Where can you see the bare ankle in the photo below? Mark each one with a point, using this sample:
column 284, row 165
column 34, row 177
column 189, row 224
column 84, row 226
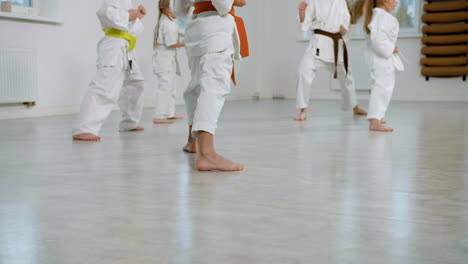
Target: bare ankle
column 374, row 121
column 207, row 153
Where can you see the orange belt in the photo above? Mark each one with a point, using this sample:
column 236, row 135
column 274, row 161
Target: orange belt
column 202, row 7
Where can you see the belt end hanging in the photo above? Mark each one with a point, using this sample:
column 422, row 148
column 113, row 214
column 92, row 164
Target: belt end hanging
column 233, row 76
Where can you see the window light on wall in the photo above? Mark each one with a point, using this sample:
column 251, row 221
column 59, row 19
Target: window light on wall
column 44, row 11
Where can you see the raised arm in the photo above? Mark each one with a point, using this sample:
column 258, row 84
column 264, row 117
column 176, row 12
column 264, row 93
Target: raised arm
column 306, row 15
column 169, row 35
column 113, row 15
column 139, row 13
column 302, row 10
column 380, row 41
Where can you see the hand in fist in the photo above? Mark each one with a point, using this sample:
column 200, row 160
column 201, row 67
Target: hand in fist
column 140, row 12
column 302, row 6
column 343, row 30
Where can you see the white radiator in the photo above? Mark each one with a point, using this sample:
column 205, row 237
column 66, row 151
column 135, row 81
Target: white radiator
column 18, row 76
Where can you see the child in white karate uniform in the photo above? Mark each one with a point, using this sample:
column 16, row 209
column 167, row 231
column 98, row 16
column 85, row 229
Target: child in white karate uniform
column 165, row 64
column 382, row 29
column 212, row 43
column 118, row 77
column 329, row 20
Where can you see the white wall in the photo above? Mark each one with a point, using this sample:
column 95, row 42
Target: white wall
column 67, row 55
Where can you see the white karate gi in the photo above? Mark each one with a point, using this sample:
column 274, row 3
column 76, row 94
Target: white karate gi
column 212, row 43
column 327, row 15
column 166, row 68
column 383, row 62
column 116, row 79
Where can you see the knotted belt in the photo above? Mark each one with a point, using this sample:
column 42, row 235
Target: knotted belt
column 116, row 33
column 201, row 7
column 336, row 37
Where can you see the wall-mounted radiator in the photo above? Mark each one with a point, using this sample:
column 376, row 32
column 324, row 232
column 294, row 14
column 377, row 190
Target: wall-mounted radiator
column 18, row 76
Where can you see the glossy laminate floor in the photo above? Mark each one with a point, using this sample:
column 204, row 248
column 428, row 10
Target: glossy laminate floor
column 323, row 191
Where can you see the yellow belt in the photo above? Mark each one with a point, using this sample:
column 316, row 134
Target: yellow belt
column 112, row 32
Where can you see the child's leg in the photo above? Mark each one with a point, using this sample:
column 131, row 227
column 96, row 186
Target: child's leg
column 132, row 99
column 215, row 85
column 163, row 109
column 305, row 78
column 302, row 115
column 348, row 91
column 192, row 143
column 103, row 93
column 191, row 101
column 377, row 125
column 172, row 100
column 131, row 105
column 208, row 159
column 382, row 83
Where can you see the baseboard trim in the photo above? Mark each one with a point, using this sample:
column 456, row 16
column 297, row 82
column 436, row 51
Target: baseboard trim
column 18, row 111
column 21, row 111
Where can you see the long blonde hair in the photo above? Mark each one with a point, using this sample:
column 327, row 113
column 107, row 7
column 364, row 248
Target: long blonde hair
column 356, row 10
column 162, row 5
column 368, row 9
column 362, row 8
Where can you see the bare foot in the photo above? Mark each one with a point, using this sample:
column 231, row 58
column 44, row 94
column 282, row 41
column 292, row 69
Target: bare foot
column 357, row 110
column 163, row 121
column 176, row 117
column 191, row 147
column 302, row 115
column 86, row 137
column 380, row 127
column 215, row 162
column 383, row 122
column 138, row 128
